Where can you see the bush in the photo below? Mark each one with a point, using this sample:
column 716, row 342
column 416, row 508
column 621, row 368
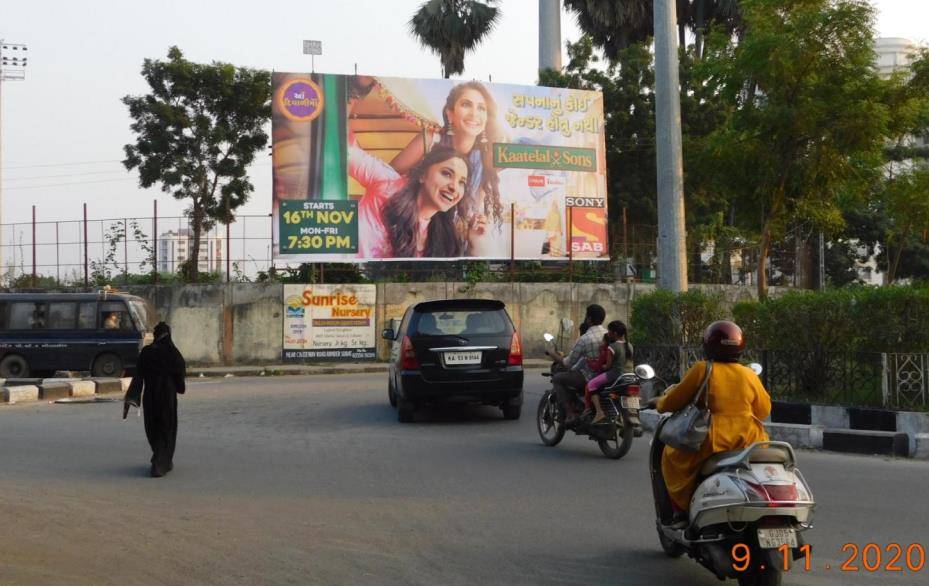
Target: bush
column 664, row 318
column 851, row 319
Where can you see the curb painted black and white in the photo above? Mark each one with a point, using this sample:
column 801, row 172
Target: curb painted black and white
column 812, row 436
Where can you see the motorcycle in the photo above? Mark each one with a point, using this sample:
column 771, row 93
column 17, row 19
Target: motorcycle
column 620, row 404
column 747, row 516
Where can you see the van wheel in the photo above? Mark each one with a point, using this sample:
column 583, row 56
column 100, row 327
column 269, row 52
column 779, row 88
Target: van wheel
column 108, row 365
column 14, row 366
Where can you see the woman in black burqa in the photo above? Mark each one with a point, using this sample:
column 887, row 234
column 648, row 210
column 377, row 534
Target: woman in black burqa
column 160, row 369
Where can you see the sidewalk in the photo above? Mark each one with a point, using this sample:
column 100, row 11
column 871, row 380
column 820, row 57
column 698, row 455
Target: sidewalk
column 306, row 369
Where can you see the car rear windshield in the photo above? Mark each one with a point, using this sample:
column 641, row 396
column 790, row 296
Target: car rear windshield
column 462, row 322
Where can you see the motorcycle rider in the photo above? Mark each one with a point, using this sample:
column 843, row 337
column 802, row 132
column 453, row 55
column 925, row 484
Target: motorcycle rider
column 578, row 370
column 737, row 401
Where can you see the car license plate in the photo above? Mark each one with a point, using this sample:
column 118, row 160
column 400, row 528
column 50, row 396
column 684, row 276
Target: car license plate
column 774, row 538
column 457, row 358
column 630, row 402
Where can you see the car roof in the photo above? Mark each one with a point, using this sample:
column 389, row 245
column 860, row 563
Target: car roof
column 459, row 305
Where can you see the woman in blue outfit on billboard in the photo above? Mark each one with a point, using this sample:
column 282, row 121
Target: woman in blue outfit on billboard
column 470, row 127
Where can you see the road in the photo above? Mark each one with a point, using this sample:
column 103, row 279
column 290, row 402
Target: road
column 296, row 480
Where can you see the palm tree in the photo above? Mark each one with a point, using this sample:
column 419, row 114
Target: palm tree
column 451, row 28
column 613, row 25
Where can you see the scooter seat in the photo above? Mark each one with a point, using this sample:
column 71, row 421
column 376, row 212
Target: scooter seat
column 732, row 458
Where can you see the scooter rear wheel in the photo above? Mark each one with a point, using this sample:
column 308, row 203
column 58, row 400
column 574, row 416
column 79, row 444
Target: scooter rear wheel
column 766, row 577
column 550, row 420
column 671, row 548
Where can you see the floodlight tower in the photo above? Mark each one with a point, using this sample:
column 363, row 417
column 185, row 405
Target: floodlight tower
column 13, row 58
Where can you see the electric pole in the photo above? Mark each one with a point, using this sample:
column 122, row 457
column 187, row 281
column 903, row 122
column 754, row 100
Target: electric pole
column 550, row 34
column 13, row 58
column 672, row 235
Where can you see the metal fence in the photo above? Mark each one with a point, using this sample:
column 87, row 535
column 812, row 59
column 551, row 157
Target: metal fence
column 82, row 252
column 890, row 380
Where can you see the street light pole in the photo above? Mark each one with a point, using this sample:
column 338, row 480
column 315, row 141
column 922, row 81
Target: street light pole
column 672, row 260
column 12, row 68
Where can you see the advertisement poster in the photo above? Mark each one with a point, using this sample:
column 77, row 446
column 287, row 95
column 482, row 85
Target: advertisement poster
column 380, row 168
column 329, row 323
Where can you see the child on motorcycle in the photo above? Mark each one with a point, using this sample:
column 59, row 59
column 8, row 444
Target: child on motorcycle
column 617, row 358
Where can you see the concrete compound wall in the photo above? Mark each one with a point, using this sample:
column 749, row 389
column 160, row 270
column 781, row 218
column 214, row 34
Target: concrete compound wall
column 240, row 323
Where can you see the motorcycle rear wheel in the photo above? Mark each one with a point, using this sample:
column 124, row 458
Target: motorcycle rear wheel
column 617, row 446
column 550, row 420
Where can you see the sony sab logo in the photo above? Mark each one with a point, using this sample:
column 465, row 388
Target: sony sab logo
column 301, row 100
column 583, row 202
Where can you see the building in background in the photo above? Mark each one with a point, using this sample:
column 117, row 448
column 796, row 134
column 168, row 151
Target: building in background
column 893, row 54
column 174, row 249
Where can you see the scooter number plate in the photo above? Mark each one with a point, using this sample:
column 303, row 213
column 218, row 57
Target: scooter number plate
column 630, row 402
column 775, row 538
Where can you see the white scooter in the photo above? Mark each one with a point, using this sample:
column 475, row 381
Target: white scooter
column 747, row 515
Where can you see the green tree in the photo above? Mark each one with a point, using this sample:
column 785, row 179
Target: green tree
column 451, row 28
column 807, row 114
column 196, row 132
column 628, row 97
column 906, row 197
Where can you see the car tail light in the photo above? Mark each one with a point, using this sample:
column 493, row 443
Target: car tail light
column 632, row 390
column 782, row 492
column 408, row 360
column 516, row 351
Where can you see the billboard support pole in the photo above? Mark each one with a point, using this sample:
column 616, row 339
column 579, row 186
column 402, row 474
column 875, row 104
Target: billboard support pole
column 33, row 247
column 570, row 248
column 512, row 240
column 228, row 252
column 155, row 242
column 86, row 276
column 625, row 246
column 126, row 250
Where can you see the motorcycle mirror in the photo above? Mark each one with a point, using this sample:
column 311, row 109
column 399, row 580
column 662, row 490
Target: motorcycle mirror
column 548, row 337
column 756, row 368
column 567, row 324
column 645, row 372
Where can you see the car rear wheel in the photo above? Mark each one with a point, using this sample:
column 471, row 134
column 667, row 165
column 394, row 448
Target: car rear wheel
column 14, row 366
column 107, row 365
column 512, row 412
column 405, row 410
column 391, row 394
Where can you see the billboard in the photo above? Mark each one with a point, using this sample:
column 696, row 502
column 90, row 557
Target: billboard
column 381, row 168
column 329, row 322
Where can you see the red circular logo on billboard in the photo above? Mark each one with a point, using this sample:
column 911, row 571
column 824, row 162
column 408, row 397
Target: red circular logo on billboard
column 301, row 100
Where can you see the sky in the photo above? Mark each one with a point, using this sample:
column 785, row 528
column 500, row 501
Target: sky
column 64, row 127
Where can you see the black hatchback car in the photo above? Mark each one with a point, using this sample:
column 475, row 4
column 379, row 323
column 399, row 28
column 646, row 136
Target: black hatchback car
column 455, row 350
